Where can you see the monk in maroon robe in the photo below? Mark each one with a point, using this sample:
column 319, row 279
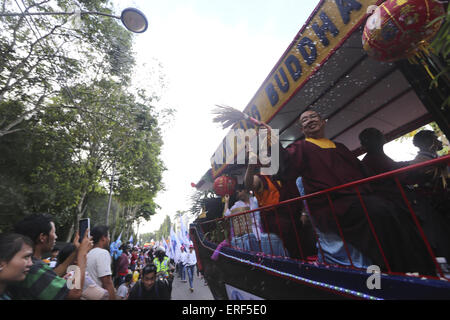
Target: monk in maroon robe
column 376, row 161
column 324, row 164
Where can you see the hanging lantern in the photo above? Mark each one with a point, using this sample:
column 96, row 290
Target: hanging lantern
column 224, row 185
column 400, row 29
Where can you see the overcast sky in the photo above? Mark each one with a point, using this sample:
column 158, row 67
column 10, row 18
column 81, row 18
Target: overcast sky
column 210, row 52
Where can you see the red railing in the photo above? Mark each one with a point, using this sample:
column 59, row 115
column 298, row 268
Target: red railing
column 294, row 218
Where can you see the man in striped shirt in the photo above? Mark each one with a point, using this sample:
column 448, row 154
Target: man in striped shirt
column 43, row 282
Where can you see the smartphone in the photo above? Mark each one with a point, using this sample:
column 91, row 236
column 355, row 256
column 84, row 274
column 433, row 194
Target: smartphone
column 83, row 226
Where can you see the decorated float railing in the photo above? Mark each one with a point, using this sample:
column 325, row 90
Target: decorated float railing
column 218, row 231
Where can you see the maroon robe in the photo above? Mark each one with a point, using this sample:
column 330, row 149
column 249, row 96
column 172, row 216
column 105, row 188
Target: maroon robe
column 324, row 168
column 378, row 163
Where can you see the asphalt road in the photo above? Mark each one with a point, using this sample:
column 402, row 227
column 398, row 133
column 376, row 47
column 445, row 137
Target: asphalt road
column 180, row 290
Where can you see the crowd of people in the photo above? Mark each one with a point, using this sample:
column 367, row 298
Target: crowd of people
column 316, row 163
column 84, row 269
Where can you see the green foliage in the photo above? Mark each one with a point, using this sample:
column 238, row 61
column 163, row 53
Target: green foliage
column 38, row 174
column 162, row 232
column 438, row 132
column 441, row 46
column 198, row 201
column 60, row 144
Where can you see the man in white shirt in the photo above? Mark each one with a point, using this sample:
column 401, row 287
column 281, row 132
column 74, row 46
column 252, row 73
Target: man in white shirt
column 124, row 288
column 191, row 261
column 182, row 264
column 99, row 260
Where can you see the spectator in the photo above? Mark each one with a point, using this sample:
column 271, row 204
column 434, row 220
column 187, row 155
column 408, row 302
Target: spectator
column 150, row 287
column 16, row 251
column 90, row 291
column 141, row 259
column 134, row 259
column 43, row 282
column 163, row 267
column 136, row 275
column 150, row 255
column 191, row 261
column 176, row 262
column 122, row 266
column 54, row 258
column 182, row 264
column 99, row 260
column 122, row 292
column 324, row 164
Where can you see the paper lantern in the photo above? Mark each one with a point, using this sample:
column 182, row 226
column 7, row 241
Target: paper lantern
column 399, row 29
column 224, row 185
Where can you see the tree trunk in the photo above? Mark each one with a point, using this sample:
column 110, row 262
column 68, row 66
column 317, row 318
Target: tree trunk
column 77, row 216
column 116, row 215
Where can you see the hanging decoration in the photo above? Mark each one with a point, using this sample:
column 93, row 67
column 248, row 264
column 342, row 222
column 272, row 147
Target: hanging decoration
column 224, row 185
column 402, row 29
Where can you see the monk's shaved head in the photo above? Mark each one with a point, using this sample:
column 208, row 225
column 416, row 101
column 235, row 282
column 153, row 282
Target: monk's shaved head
column 312, row 124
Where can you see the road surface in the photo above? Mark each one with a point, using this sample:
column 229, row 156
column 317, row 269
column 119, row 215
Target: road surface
column 180, row 290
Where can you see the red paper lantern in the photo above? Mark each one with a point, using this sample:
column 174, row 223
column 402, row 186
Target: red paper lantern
column 399, row 29
column 224, row 185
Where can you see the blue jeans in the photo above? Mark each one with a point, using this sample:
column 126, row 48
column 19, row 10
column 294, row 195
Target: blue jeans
column 190, row 272
column 182, row 270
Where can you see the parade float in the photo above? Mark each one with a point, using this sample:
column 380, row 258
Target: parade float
column 360, row 64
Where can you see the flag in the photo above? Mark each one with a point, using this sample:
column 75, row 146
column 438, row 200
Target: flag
column 131, row 239
column 175, row 242
column 120, row 236
column 180, row 238
column 163, row 244
column 182, row 231
column 186, row 232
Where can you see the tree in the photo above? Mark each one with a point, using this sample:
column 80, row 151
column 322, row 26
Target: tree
column 36, row 168
column 62, row 141
column 198, row 201
column 441, row 46
column 162, row 232
column 43, row 53
column 114, row 127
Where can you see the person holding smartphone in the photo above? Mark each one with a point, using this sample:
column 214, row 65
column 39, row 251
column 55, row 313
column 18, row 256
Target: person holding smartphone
column 43, row 282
